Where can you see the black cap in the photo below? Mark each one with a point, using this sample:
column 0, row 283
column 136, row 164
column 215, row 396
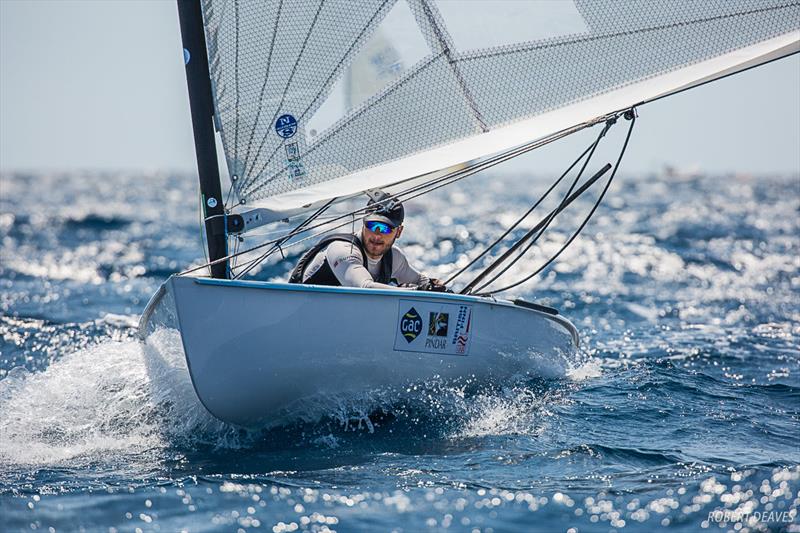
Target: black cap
column 385, row 209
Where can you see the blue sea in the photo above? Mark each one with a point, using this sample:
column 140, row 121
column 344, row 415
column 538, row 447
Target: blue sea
column 681, row 411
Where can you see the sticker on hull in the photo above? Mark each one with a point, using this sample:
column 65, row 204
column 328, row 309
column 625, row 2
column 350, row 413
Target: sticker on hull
column 433, row 327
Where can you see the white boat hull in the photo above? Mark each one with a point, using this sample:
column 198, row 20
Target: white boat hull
column 256, row 350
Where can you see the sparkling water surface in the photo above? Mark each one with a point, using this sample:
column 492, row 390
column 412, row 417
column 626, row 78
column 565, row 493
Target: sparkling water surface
column 682, row 410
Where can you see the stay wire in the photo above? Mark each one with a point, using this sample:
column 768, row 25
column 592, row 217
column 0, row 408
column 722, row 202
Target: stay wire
column 427, row 186
column 551, row 216
column 518, row 222
column 585, row 220
column 279, row 242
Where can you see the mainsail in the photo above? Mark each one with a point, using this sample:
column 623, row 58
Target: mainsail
column 316, row 99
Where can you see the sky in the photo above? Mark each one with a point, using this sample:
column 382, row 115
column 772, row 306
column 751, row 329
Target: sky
column 91, row 85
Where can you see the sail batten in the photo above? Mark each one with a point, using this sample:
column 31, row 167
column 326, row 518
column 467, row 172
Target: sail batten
column 321, row 98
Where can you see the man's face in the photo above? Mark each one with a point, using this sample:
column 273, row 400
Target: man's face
column 377, row 244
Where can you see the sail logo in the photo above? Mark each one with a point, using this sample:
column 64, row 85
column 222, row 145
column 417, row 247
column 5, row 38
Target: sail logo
column 286, row 126
column 411, row 325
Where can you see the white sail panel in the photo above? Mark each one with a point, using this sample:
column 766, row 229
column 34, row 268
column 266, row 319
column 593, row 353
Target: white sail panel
column 274, row 65
column 543, row 126
column 394, row 48
column 487, row 24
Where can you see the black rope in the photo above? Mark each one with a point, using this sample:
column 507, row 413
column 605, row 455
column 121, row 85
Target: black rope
column 539, row 227
column 539, row 230
column 519, row 220
column 630, row 115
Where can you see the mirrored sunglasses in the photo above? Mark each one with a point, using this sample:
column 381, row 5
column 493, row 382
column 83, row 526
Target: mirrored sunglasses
column 379, row 227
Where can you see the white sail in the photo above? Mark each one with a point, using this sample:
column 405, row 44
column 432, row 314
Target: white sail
column 464, row 79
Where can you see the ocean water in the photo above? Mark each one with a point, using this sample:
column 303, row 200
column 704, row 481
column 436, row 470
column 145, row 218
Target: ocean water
column 681, row 411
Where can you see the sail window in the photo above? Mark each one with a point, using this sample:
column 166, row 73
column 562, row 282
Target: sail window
column 481, row 24
column 395, row 46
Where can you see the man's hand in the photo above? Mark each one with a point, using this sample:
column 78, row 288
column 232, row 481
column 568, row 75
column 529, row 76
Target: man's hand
column 433, row 285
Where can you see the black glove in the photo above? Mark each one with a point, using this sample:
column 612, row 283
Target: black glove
column 433, row 285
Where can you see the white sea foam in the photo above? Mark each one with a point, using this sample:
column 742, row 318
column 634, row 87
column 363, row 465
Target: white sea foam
column 517, row 411
column 90, row 402
column 116, row 398
column 591, row 368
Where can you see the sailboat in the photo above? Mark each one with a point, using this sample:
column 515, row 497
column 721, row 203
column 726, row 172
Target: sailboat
column 319, row 102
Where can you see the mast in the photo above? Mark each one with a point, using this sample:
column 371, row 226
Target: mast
column 202, row 108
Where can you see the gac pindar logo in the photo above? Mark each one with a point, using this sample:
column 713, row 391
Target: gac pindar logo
column 411, row 325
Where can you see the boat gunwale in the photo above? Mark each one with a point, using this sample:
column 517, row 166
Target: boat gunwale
column 298, row 287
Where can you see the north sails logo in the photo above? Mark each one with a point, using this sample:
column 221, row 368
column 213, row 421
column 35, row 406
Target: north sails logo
column 410, row 325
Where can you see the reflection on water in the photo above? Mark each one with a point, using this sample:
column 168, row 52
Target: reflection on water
column 682, row 410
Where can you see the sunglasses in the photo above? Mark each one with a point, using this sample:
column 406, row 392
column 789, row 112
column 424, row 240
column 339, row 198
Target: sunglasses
column 379, row 227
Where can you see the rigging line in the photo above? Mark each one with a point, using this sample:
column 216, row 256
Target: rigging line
column 228, row 196
column 480, row 166
column 332, row 75
column 538, row 231
column 549, row 219
column 279, row 242
column 291, row 74
column 538, row 228
column 263, row 86
column 585, row 221
column 519, row 220
column 299, row 241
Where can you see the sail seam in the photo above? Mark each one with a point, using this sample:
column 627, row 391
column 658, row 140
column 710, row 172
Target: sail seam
column 291, row 75
column 236, row 82
column 261, row 95
column 328, row 80
column 355, row 115
column 437, row 31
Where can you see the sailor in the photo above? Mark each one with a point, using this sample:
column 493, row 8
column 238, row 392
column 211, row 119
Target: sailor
column 367, row 259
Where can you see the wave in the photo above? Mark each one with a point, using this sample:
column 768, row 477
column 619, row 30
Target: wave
column 130, row 399
column 97, row 223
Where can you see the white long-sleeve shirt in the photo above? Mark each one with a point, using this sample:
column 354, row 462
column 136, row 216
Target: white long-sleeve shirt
column 347, row 263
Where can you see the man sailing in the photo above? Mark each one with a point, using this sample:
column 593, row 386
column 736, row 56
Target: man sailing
column 367, row 259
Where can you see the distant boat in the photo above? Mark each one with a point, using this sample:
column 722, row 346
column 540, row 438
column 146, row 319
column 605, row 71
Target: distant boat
column 318, row 102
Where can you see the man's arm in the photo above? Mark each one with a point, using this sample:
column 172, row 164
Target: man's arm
column 403, row 272
column 348, row 266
